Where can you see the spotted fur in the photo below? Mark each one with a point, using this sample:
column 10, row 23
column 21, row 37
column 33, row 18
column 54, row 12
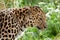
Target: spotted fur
column 13, row 21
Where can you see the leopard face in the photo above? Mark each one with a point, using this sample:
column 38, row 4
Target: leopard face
column 13, row 21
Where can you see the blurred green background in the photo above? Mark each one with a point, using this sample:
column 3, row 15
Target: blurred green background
column 52, row 10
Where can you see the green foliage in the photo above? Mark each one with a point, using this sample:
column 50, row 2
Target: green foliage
column 20, row 3
column 32, row 33
column 8, row 3
column 52, row 10
column 30, row 2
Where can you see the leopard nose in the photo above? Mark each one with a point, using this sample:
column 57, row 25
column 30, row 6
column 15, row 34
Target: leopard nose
column 45, row 25
column 38, row 27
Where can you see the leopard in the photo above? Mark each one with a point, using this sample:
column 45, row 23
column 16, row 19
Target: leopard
column 16, row 20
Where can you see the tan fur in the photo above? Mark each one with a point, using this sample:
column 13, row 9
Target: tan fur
column 12, row 21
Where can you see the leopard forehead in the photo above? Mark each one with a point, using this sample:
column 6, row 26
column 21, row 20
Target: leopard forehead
column 14, row 21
